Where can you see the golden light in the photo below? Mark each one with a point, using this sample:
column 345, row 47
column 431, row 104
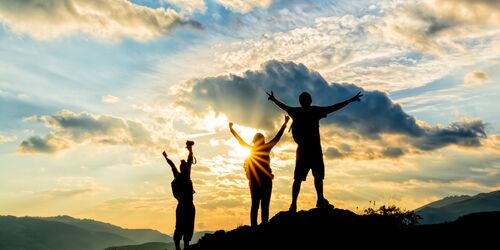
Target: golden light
column 212, row 121
column 237, row 150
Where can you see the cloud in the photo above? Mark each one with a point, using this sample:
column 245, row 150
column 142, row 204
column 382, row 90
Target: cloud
column 110, row 99
column 7, row 138
column 103, row 19
column 466, row 11
column 190, row 6
column 244, row 6
column 243, row 100
column 45, row 145
column 393, row 152
column 69, row 128
column 333, row 153
column 439, row 27
column 476, row 77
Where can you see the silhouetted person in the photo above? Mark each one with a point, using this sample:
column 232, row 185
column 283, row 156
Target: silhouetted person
column 258, row 171
column 182, row 188
column 305, row 132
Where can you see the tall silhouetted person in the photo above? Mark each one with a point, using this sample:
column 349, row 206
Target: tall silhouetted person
column 258, row 171
column 305, row 132
column 182, row 188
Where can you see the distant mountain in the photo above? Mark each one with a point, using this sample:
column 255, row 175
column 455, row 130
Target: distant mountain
column 18, row 233
column 159, row 245
column 451, row 208
column 138, row 236
column 145, row 246
column 339, row 229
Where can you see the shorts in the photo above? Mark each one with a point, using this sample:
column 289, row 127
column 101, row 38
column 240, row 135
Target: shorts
column 309, row 158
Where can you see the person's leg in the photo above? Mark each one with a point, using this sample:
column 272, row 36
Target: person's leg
column 319, row 174
column 177, row 239
column 299, row 175
column 190, row 215
column 295, row 194
column 266, row 200
column 178, row 227
column 318, row 184
column 254, row 209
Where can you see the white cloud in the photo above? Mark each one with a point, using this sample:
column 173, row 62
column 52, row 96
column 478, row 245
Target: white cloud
column 7, row 138
column 190, row 6
column 244, row 6
column 103, row 19
column 110, row 99
column 476, row 77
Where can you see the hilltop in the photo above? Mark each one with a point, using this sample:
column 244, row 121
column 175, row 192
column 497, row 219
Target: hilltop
column 328, row 228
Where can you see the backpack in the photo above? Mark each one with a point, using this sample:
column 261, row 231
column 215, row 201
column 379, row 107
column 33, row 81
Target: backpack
column 176, row 188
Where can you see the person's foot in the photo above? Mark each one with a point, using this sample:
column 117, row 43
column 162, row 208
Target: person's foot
column 293, row 208
column 324, row 204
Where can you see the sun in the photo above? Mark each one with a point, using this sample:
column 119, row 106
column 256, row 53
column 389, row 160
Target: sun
column 237, row 150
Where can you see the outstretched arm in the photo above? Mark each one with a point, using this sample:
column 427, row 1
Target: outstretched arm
column 190, row 156
column 277, row 137
column 340, row 105
column 283, row 106
column 237, row 136
column 172, row 165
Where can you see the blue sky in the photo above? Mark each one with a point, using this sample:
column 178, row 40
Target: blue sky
column 92, row 93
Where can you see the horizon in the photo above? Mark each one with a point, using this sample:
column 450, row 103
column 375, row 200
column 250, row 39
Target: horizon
column 92, row 92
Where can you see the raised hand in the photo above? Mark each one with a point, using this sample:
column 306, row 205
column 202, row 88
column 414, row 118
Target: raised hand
column 165, row 155
column 230, row 125
column 357, row 97
column 270, row 96
column 287, row 118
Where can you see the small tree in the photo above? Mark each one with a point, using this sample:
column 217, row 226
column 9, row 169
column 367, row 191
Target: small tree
column 395, row 215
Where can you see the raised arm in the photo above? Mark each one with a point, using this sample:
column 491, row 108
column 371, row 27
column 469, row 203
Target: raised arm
column 277, row 137
column 283, row 106
column 340, row 105
column 172, row 165
column 237, row 136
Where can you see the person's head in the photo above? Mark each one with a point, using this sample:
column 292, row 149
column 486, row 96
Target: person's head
column 305, row 99
column 258, row 139
column 184, row 166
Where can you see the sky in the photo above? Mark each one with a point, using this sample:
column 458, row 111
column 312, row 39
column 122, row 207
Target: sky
column 92, row 91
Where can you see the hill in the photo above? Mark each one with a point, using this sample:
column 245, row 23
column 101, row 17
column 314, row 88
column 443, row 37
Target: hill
column 451, row 208
column 145, row 246
column 138, row 236
column 159, row 245
column 33, row 233
column 330, row 228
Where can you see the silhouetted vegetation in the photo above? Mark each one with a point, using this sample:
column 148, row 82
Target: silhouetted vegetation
column 394, row 215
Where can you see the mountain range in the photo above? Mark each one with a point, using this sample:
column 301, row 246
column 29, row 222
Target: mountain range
column 452, row 207
column 65, row 232
column 460, row 217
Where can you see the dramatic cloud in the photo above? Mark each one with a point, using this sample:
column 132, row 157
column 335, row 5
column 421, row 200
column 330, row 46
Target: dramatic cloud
column 476, row 77
column 70, row 128
column 243, row 100
column 406, row 45
column 110, row 99
column 104, row 19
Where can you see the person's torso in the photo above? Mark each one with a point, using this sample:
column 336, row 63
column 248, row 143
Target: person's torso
column 184, row 188
column 258, row 164
column 305, row 126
